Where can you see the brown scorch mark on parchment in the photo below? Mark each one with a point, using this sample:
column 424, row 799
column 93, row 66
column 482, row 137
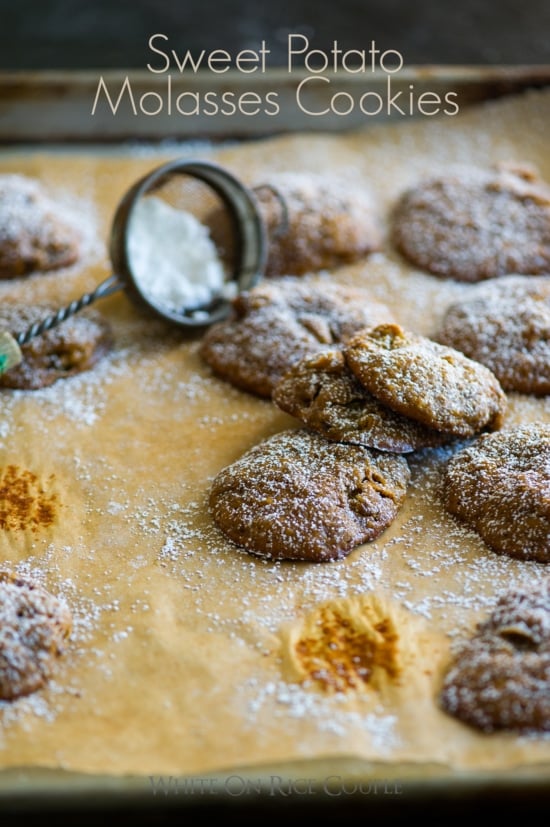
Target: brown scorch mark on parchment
column 339, row 656
column 24, row 503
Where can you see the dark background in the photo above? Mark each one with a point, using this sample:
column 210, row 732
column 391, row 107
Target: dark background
column 79, row 34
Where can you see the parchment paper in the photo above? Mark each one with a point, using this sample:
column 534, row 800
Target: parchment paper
column 179, row 661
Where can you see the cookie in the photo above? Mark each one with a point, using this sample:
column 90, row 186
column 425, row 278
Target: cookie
column 323, row 393
column 475, row 224
column 500, row 487
column 500, row 680
column 34, row 234
column 33, row 628
column 72, row 347
column 278, row 322
column 297, row 496
column 314, row 222
column 422, row 380
column 505, row 326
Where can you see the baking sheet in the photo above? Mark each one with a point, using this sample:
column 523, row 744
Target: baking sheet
column 177, row 664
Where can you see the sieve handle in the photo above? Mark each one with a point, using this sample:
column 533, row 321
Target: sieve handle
column 11, row 343
column 110, row 285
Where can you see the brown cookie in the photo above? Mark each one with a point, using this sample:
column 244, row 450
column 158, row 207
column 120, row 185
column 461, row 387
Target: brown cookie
column 76, row 345
column 33, row 628
column 298, row 496
column 314, row 222
column 505, row 326
column 34, row 234
column 278, row 322
column 476, row 224
column 500, row 487
column 425, row 381
column 323, row 393
column 500, row 680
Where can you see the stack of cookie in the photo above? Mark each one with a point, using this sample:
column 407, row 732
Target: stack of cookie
column 366, row 392
column 394, row 391
column 297, row 495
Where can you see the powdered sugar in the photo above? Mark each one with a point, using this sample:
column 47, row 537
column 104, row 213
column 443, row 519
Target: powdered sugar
column 86, row 616
column 39, row 230
column 147, row 574
column 505, row 325
column 172, row 257
column 499, row 679
column 473, row 224
column 288, row 702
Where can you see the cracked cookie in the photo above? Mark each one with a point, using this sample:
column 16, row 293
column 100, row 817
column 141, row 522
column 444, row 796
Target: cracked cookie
column 33, row 628
column 74, row 346
column 500, row 680
column 323, row 393
column 476, row 224
column 505, row 326
column 425, row 381
column 278, row 322
column 500, row 487
column 34, row 235
column 297, row 496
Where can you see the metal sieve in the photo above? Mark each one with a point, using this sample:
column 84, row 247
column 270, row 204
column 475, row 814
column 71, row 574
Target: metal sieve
column 214, row 198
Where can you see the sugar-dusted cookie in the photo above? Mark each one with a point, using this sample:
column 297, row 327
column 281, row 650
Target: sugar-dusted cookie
column 500, row 679
column 500, row 487
column 33, row 628
column 298, row 496
column 323, row 393
column 420, row 379
column 505, row 324
column 76, row 345
column 315, row 221
column 278, row 322
column 473, row 224
column 34, row 233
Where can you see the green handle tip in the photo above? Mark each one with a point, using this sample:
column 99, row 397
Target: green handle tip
column 10, row 352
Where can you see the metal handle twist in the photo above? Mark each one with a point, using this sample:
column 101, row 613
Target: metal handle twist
column 110, row 285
